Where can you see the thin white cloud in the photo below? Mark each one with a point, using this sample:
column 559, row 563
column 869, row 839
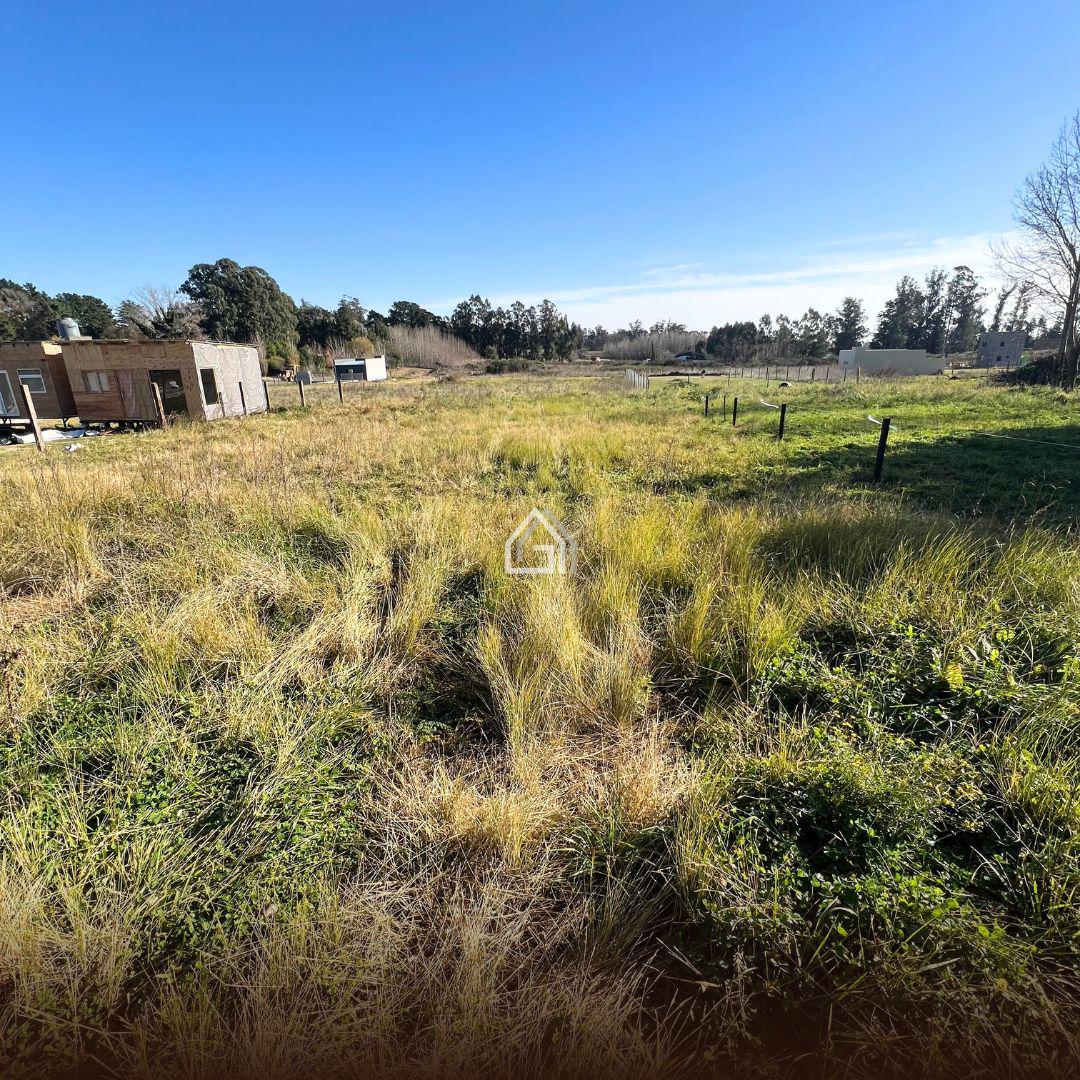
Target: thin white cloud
column 701, row 296
column 663, row 271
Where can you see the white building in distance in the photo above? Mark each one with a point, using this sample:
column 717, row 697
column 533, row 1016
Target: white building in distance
column 891, row 361
column 357, row 369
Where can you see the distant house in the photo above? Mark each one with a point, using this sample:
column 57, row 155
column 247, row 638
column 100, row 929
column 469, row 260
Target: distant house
column 1005, row 347
column 39, row 366
column 113, row 381
column 890, row 361
column 367, row 369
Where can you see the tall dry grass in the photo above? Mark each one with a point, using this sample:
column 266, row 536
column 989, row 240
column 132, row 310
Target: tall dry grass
column 297, row 780
column 657, row 348
column 430, row 347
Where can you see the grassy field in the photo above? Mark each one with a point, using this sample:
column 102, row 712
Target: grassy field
column 297, row 781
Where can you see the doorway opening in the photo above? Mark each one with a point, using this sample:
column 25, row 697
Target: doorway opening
column 171, row 385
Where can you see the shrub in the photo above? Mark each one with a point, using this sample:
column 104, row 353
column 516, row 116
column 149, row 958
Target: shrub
column 430, row 347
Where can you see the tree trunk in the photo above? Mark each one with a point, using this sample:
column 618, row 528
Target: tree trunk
column 1065, row 364
column 1071, row 366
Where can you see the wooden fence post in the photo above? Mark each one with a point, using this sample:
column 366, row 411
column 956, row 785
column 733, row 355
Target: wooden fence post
column 706, row 406
column 243, row 400
column 340, row 392
column 31, row 411
column 159, row 405
column 883, row 441
column 734, row 412
column 303, row 396
column 783, row 420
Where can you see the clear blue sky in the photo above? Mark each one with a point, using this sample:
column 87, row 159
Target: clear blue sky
column 698, row 160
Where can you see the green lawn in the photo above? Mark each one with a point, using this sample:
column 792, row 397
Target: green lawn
column 938, row 454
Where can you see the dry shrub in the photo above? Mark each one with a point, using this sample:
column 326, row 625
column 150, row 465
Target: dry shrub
column 658, row 347
column 435, row 976
column 430, row 347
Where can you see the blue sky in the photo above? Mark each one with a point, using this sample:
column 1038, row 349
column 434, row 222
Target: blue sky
column 700, row 161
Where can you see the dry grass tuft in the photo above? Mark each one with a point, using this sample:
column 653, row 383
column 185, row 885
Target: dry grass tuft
column 296, row 780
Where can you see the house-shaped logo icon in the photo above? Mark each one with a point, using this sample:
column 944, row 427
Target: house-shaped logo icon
column 540, row 545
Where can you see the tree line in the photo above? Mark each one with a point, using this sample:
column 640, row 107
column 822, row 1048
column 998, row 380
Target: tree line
column 943, row 314
column 224, row 301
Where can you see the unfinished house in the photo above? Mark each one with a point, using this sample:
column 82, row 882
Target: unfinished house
column 39, row 365
column 113, row 381
column 1001, row 347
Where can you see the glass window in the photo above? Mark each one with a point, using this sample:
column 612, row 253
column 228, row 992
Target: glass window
column 32, row 379
column 97, row 382
column 209, row 386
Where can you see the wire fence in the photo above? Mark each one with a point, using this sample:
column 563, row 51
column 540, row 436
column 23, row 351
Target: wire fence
column 885, row 425
column 771, row 373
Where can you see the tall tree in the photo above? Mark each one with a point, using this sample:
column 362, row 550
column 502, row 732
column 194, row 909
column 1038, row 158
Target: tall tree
column 935, row 314
column 351, row 320
column 965, row 311
column 784, row 337
column 549, row 326
column 1047, row 253
column 241, row 303
column 900, row 322
column 596, row 338
column 408, row 313
column 17, row 302
column 94, row 316
column 316, row 327
column 765, row 338
column 27, row 312
column 1020, row 316
column 850, row 324
column 999, row 305
column 733, row 342
column 812, row 335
